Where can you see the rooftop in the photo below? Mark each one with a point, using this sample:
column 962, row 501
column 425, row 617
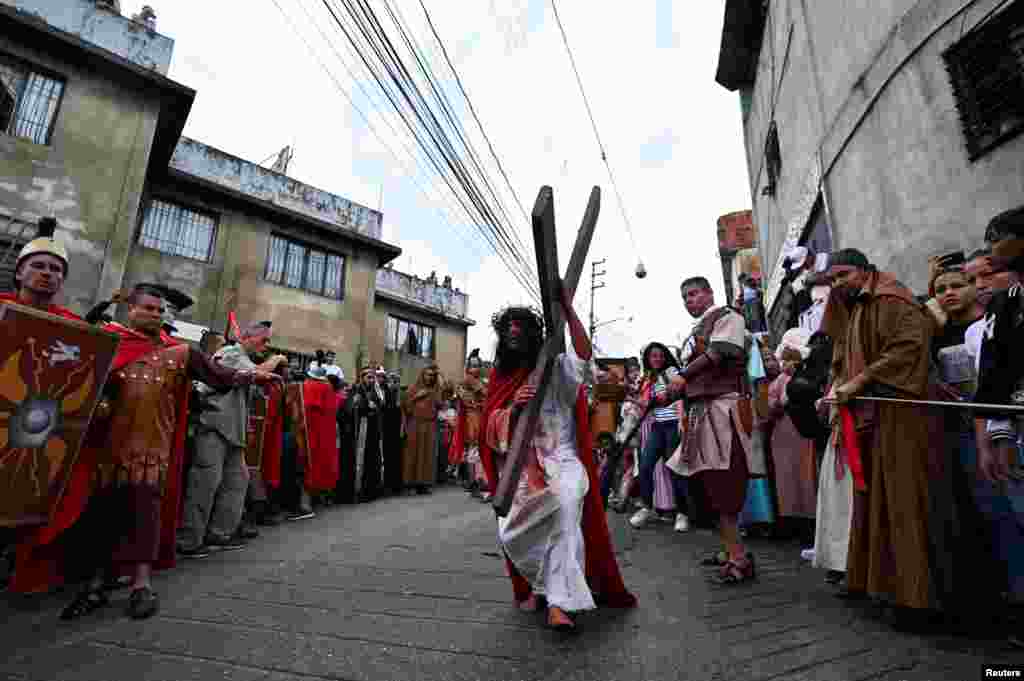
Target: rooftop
column 104, row 27
column 425, row 295
column 253, row 181
column 741, row 43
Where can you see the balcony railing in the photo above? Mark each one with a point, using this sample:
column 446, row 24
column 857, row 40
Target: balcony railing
column 423, row 292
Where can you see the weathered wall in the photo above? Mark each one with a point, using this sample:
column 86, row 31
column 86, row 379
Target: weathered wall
column 885, row 125
column 213, row 165
column 233, row 280
column 449, row 343
column 423, row 292
column 90, row 176
column 111, row 31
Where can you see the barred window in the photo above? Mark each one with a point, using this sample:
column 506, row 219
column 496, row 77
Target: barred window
column 28, row 101
column 297, row 265
column 985, row 68
column 178, row 230
column 409, row 337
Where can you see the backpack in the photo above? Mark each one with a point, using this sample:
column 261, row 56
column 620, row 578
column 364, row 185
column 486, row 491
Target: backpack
column 808, row 386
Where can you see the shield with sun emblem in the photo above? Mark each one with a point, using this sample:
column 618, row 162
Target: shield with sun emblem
column 296, row 407
column 51, row 373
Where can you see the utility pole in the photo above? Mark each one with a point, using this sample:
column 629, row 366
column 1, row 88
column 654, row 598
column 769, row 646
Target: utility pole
column 594, row 274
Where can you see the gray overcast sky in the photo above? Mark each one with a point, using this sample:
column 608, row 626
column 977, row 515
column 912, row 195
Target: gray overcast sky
column 672, row 135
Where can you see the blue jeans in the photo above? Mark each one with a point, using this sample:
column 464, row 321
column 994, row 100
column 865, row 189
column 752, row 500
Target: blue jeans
column 1005, row 510
column 661, row 442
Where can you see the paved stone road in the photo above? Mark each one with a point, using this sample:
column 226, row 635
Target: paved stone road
column 411, row 588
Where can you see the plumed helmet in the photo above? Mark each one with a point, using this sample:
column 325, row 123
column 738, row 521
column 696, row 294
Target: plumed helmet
column 45, row 243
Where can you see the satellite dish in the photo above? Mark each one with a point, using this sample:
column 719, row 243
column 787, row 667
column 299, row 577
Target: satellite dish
column 641, row 272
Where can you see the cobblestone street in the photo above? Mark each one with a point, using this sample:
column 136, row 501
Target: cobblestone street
column 412, row 588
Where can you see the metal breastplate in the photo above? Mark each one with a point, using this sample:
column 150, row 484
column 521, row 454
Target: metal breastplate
column 144, row 418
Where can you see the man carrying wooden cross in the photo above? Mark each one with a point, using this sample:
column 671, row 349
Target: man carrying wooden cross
column 555, row 532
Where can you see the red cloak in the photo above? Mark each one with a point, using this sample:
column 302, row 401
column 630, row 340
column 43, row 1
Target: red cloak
column 273, row 432
column 457, row 450
column 52, row 309
column 602, row 569
column 38, row 563
column 322, row 420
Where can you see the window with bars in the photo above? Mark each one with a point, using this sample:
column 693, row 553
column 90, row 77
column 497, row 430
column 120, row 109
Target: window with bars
column 177, row 230
column 28, row 101
column 9, row 249
column 985, row 68
column 409, row 337
column 296, row 265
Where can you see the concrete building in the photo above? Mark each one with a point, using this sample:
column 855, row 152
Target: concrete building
column 892, row 126
column 736, row 240
column 86, row 111
column 418, row 321
column 90, row 132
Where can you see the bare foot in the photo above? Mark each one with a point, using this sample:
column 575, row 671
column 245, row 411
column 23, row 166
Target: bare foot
column 559, row 621
column 531, row 604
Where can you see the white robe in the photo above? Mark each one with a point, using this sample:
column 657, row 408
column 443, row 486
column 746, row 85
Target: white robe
column 834, row 514
column 543, row 534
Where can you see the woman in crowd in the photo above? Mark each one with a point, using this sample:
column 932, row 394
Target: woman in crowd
column 661, row 437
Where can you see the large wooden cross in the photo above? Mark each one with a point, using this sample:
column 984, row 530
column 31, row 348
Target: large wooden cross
column 546, row 249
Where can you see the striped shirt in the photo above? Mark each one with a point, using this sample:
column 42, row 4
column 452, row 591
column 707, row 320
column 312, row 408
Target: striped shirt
column 668, row 412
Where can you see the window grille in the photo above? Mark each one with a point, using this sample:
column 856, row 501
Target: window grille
column 9, row 249
column 177, row 230
column 28, row 102
column 985, row 69
column 409, row 337
column 296, row 265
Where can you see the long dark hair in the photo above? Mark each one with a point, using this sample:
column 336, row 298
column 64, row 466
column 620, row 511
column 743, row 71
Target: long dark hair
column 670, row 359
column 505, row 359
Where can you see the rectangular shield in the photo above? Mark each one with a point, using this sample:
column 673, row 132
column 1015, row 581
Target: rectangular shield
column 255, row 429
column 52, row 372
column 296, row 407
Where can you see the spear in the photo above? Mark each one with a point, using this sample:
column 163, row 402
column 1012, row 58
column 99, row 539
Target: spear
column 977, row 406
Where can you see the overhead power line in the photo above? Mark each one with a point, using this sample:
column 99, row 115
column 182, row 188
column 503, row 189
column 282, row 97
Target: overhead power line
column 597, row 135
column 461, row 171
column 373, row 129
column 472, row 110
column 381, row 58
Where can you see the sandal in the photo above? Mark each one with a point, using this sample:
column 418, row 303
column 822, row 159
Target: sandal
column 736, row 572
column 718, row 559
column 85, row 602
column 560, row 621
column 143, row 603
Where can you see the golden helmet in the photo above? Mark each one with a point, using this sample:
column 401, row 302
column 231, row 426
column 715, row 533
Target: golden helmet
column 45, row 243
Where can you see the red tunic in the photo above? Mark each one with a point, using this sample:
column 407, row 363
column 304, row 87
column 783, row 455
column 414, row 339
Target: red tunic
column 602, row 569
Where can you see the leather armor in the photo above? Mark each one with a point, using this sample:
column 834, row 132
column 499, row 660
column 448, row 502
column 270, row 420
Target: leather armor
column 728, row 377
column 144, row 415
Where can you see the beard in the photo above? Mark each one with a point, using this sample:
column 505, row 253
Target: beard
column 512, row 358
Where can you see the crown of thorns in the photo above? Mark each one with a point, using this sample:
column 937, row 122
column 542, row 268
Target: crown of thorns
column 501, row 319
